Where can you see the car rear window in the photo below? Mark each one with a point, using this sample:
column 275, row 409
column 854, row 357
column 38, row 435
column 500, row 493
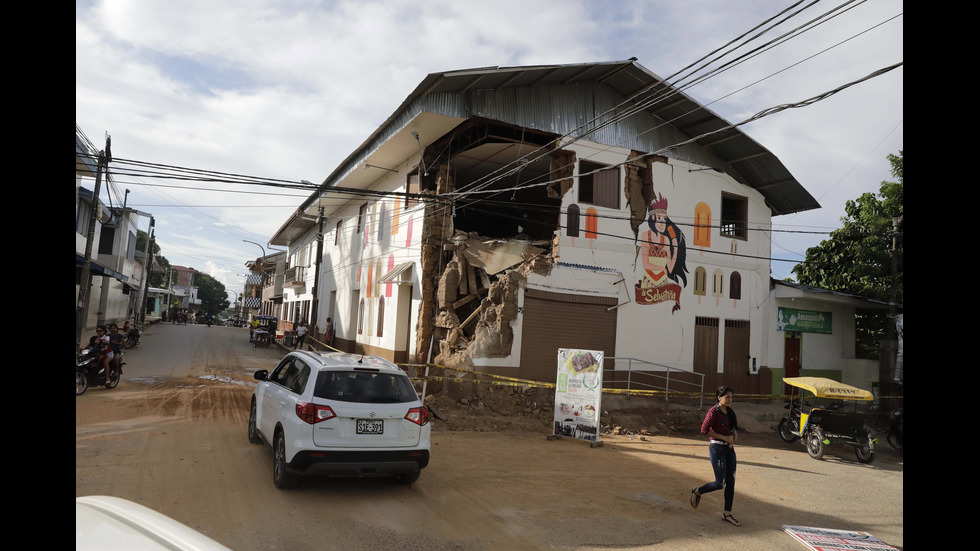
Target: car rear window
column 366, row 387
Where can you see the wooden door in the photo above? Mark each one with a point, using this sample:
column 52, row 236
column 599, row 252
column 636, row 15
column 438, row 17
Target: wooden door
column 706, row 350
column 791, row 357
column 737, row 357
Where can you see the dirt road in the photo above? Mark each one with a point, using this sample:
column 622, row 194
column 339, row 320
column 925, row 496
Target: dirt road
column 178, row 445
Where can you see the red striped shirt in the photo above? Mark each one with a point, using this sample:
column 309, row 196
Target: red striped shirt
column 719, row 422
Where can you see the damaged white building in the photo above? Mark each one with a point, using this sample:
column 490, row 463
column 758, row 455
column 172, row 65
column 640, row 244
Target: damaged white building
column 500, row 214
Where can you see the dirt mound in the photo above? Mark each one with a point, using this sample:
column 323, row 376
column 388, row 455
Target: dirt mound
column 495, row 408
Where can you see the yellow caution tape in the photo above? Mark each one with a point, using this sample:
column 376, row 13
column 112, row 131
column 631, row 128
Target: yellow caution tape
column 503, row 380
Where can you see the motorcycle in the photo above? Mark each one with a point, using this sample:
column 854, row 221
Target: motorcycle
column 819, row 425
column 133, row 338
column 89, row 373
column 896, row 431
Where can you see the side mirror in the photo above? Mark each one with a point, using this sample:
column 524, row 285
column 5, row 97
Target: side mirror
column 261, row 374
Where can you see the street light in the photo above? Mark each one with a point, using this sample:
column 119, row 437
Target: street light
column 254, row 243
column 237, row 295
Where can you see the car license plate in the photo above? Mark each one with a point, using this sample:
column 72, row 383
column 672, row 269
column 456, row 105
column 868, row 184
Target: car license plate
column 370, row 426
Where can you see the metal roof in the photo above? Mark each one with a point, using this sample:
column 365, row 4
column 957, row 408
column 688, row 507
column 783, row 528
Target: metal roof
column 577, row 100
column 807, row 291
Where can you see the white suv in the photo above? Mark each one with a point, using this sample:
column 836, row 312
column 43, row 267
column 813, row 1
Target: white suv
column 339, row 414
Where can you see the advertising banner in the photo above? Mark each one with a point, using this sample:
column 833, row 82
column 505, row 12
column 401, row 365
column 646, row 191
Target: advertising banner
column 578, row 393
column 808, row 321
column 825, row 539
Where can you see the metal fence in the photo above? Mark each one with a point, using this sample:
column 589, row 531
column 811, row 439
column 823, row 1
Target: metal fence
column 644, row 375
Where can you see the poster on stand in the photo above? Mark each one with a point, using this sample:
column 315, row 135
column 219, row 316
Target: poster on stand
column 825, row 539
column 578, row 393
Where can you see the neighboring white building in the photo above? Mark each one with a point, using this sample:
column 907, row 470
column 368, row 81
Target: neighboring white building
column 117, row 275
column 502, row 213
column 814, row 335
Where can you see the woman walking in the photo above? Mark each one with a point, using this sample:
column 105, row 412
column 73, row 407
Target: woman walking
column 720, row 425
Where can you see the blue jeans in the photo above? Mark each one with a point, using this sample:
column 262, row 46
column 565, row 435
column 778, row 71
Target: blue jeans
column 723, row 462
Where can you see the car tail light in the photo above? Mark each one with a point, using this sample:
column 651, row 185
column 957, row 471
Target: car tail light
column 314, row 413
column 419, row 416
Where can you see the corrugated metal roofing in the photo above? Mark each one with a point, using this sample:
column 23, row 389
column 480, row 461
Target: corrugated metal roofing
column 575, row 100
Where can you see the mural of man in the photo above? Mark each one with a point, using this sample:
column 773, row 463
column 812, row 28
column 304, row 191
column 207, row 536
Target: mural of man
column 663, row 250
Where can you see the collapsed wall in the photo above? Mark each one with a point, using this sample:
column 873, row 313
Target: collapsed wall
column 471, row 283
column 478, row 296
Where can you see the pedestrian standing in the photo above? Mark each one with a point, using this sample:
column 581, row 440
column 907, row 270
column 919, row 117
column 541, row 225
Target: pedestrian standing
column 329, row 332
column 300, row 335
column 721, row 426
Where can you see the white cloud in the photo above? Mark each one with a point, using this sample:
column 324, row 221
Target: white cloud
column 287, row 90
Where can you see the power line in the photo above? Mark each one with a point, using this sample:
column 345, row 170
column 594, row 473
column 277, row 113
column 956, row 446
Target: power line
column 151, row 170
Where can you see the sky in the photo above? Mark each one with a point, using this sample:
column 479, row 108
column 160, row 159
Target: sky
column 286, row 89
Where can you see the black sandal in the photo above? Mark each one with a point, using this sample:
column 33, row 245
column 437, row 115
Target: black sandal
column 729, row 518
column 695, row 498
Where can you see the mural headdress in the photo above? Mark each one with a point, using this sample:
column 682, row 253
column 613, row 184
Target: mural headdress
column 658, row 204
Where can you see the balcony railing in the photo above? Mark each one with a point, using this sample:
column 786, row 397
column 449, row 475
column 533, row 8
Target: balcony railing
column 295, row 277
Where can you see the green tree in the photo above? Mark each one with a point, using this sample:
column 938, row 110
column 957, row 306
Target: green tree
column 157, row 279
column 211, row 293
column 858, row 257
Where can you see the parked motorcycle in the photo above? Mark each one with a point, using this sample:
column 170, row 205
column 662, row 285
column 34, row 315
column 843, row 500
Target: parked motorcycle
column 89, row 373
column 896, row 431
column 827, row 420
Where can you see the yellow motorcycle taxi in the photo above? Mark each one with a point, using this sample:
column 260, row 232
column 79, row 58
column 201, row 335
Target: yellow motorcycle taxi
column 825, row 412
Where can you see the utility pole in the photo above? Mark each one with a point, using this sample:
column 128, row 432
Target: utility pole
column 147, row 268
column 85, row 285
column 316, row 273
column 897, row 372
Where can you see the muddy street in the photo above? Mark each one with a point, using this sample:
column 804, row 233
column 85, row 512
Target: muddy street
column 172, row 436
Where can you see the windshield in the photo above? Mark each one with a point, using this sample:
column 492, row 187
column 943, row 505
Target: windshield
column 360, row 386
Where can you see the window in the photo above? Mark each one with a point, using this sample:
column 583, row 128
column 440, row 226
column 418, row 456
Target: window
column 106, row 239
column 296, row 378
column 717, row 284
column 700, row 281
column 571, row 221
column 412, row 189
column 336, row 235
column 734, row 216
column 598, row 186
column 735, row 286
column 363, row 387
column 282, row 371
column 301, row 257
column 131, row 246
column 381, row 316
column 360, row 217
column 83, row 217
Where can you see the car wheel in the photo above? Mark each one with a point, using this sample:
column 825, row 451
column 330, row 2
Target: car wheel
column 280, row 474
column 253, row 432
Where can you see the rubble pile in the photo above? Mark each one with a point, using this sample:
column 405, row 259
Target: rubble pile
column 524, row 408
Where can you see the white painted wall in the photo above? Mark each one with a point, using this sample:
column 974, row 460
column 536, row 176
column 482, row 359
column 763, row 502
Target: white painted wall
column 652, row 332
column 353, row 265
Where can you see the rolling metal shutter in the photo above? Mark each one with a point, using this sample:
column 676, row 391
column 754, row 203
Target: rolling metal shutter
column 559, row 320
